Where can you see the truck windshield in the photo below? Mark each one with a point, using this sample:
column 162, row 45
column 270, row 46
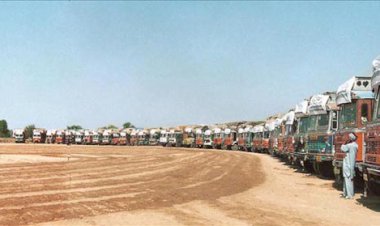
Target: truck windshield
column 348, row 116
column 303, row 124
column 312, row 123
column 323, row 122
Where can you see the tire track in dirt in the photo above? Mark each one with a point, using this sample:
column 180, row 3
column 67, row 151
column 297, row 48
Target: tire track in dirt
column 161, row 181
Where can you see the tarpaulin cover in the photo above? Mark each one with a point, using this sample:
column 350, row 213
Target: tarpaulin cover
column 270, row 126
column 241, row 130
column 301, row 108
column 318, row 104
column 217, row 130
column 344, row 91
column 198, row 131
column 188, row 130
column 258, row 129
column 208, row 132
column 290, row 118
column 376, row 63
column 227, row 131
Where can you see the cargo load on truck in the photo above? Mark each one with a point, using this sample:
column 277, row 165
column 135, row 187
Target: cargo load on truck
column 39, row 135
column 355, row 100
column 19, row 135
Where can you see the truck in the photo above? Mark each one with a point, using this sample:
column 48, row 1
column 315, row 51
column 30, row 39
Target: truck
column 276, row 136
column 79, row 137
column 124, row 137
column 229, row 139
column 355, row 100
column 371, row 165
column 199, row 138
column 323, row 122
column 115, row 137
column 88, row 137
column 143, row 138
column 154, row 137
column 60, row 137
column 19, row 135
column 175, row 138
column 288, row 140
column 51, row 136
column 245, row 137
column 188, row 138
column 97, row 137
column 39, row 135
column 134, row 137
column 218, row 139
column 208, row 139
column 69, row 136
column 107, row 137
column 164, row 138
column 258, row 131
column 300, row 136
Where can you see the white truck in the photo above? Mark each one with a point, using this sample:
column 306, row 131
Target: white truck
column 208, row 139
column 19, row 135
column 107, row 137
column 51, row 136
column 164, row 138
column 39, row 136
column 79, row 135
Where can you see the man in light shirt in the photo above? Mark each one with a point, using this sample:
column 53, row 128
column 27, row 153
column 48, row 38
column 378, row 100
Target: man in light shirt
column 350, row 148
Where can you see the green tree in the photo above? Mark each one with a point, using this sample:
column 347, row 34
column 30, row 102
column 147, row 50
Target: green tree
column 109, row 127
column 29, row 131
column 74, row 127
column 128, row 125
column 4, row 131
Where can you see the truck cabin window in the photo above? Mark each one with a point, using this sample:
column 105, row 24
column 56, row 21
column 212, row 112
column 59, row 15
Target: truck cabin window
column 312, row 123
column 323, row 122
column 348, row 116
column 364, row 114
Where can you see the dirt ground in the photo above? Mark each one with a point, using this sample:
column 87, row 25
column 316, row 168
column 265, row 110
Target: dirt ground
column 107, row 185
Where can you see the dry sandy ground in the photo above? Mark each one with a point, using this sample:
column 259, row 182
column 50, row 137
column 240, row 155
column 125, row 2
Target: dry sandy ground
column 83, row 185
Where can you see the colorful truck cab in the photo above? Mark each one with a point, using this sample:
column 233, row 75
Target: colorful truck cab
column 355, row 99
column 199, row 138
column 97, row 137
column 142, row 138
column 88, row 135
column 107, row 137
column 115, row 137
column 208, row 139
column 124, row 138
column 39, row 136
column 154, row 138
column 218, row 138
column 164, row 138
column 276, row 138
column 50, row 136
column 300, row 136
column 175, row 138
column 288, row 139
column 371, row 166
column 257, row 137
column 188, row 138
column 60, row 137
column 245, row 138
column 229, row 139
column 323, row 122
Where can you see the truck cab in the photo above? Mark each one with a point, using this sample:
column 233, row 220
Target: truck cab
column 258, row 132
column 115, row 138
column 175, row 138
column 79, row 135
column 245, row 137
column 134, row 137
column 97, row 137
column 60, row 137
column 164, row 138
column 218, row 139
column 143, row 138
column 51, row 136
column 154, row 137
column 19, row 135
column 199, row 138
column 208, row 139
column 107, row 137
column 323, row 122
column 88, row 135
column 290, row 129
column 39, row 136
column 123, row 138
column 300, row 136
column 229, row 139
column 189, row 138
column 355, row 100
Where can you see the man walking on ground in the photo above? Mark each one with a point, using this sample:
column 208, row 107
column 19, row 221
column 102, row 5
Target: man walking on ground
column 350, row 148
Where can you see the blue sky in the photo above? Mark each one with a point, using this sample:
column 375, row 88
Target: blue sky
column 172, row 63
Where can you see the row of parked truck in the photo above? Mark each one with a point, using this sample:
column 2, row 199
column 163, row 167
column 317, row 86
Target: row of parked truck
column 309, row 135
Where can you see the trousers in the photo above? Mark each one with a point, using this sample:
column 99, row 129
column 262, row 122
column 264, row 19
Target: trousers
column 348, row 187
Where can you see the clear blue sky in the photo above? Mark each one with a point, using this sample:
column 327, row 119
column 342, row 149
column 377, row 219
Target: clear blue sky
column 170, row 63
